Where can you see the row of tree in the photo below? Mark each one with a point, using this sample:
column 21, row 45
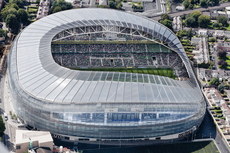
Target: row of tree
column 14, row 15
column 115, row 4
column 215, row 82
column 60, row 5
column 197, row 19
column 185, row 34
column 190, row 4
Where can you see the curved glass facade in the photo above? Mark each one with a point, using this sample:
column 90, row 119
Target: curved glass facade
column 109, row 105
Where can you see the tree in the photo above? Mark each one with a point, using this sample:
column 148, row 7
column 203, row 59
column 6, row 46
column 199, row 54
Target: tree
column 214, row 2
column 214, row 82
column 223, row 20
column 204, row 21
column 9, row 9
column 196, row 14
column 2, row 33
column 190, row 33
column 12, row 23
column 186, row 3
column 2, row 127
column 112, row 4
column 217, row 25
column 57, row 9
column 222, row 54
column 222, row 63
column 184, row 33
column 204, row 3
column 116, row 4
column 212, row 39
column 166, row 16
column 177, row 1
column 190, row 6
column 195, row 1
column 167, row 23
column 166, row 20
column 22, row 16
column 221, row 88
column 119, row 5
column 19, row 3
column 190, row 22
column 62, row 4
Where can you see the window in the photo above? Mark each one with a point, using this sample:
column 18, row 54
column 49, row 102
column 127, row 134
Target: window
column 18, row 147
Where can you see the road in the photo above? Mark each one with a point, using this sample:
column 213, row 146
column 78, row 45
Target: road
column 221, row 143
column 6, row 136
column 215, row 56
column 223, row 5
column 160, row 9
column 6, row 105
column 217, row 136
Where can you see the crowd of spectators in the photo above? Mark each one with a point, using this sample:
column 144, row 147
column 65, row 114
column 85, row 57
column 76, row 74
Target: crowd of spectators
column 117, row 55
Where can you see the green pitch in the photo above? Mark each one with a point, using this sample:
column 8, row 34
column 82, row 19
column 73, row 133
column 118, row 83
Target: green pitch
column 154, row 71
column 191, row 147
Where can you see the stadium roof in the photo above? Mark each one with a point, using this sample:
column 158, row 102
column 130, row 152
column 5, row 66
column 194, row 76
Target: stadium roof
column 39, row 75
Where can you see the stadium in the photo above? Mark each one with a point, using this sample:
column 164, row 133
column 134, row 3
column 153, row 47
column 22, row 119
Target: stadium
column 103, row 75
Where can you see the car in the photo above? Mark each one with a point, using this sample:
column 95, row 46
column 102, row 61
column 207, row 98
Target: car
column 5, row 117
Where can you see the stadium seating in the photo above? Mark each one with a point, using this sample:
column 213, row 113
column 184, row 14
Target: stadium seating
column 118, row 55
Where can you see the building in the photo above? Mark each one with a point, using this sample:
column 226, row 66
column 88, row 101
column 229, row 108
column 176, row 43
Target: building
column 218, row 33
column 207, row 74
column 228, row 93
column 26, row 140
column 43, row 8
column 220, row 112
column 227, row 34
column 81, row 105
column 195, row 40
column 214, row 97
column 201, row 53
column 203, row 32
column 103, row 2
column 222, row 45
column 214, row 14
column 177, row 24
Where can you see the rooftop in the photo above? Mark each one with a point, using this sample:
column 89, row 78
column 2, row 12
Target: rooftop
column 25, row 136
column 39, row 76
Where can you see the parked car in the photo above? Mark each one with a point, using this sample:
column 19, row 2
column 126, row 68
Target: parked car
column 5, row 117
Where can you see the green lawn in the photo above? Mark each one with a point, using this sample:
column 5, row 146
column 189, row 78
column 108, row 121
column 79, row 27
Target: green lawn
column 228, row 28
column 192, row 147
column 31, row 9
column 154, row 71
column 228, row 61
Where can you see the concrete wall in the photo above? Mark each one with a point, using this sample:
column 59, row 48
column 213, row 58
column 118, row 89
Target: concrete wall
column 25, row 146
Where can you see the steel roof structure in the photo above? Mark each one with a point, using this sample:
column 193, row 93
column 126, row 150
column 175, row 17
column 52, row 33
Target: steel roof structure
column 40, row 83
